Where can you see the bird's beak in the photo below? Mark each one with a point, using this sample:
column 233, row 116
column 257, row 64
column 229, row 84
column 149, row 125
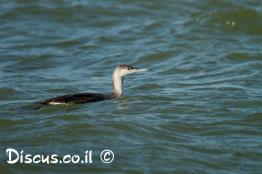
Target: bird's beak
column 139, row 70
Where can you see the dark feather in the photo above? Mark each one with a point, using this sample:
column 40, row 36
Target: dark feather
column 78, row 98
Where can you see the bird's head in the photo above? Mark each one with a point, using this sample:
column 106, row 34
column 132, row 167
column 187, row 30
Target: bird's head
column 123, row 70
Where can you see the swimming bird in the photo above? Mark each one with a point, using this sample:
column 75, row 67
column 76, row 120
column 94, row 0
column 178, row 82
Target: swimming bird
column 80, row 98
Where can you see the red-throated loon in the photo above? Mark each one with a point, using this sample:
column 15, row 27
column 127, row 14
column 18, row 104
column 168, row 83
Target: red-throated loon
column 117, row 78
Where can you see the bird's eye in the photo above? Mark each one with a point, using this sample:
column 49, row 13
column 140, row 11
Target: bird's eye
column 128, row 68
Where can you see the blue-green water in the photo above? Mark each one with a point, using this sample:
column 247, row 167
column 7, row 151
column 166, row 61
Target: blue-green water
column 198, row 109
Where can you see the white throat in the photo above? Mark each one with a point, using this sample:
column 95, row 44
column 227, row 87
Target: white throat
column 117, row 83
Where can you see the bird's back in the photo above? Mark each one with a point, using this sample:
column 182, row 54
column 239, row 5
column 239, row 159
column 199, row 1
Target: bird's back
column 77, row 98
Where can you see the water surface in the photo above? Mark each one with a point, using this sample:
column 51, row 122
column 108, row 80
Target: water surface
column 198, row 109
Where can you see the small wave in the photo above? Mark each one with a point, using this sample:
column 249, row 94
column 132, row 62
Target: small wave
column 240, row 57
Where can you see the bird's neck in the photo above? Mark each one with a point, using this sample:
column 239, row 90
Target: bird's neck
column 117, row 84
